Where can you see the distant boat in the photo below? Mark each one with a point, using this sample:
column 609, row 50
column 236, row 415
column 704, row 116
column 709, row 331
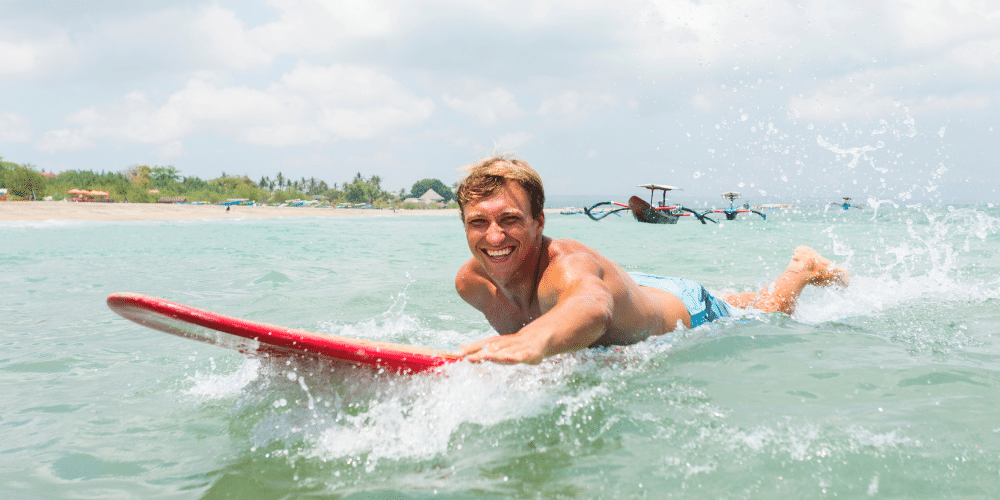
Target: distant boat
column 847, row 205
column 645, row 212
column 733, row 211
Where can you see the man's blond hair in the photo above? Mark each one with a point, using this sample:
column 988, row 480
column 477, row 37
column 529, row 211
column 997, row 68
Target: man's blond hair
column 487, row 176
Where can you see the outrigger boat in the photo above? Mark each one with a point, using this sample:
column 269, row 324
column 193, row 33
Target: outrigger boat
column 645, row 212
column 733, row 211
column 846, row 204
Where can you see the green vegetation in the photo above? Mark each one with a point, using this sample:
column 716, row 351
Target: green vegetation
column 21, row 181
column 422, row 186
column 135, row 184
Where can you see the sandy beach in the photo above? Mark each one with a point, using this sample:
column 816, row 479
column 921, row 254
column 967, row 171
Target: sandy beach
column 58, row 210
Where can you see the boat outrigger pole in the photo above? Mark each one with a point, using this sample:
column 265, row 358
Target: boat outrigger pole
column 600, row 214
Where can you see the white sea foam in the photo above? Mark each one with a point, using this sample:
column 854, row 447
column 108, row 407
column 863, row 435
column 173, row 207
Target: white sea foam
column 41, row 224
column 214, row 385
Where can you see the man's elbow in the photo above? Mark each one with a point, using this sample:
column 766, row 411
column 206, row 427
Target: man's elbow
column 600, row 311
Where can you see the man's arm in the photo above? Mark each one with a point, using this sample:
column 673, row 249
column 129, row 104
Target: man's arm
column 577, row 307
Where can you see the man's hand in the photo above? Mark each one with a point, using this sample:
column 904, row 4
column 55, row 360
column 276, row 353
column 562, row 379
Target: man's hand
column 504, row 349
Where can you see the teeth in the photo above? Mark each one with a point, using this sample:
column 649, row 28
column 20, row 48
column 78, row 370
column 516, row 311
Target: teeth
column 499, row 253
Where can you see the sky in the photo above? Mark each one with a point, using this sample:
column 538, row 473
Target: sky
column 785, row 101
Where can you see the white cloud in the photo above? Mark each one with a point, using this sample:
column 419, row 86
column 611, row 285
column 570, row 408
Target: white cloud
column 923, row 24
column 19, row 57
column 225, row 37
column 55, row 141
column 487, row 108
column 965, row 101
column 318, row 26
column 170, row 150
column 962, row 78
column 512, row 141
column 14, row 128
column 309, row 104
column 855, row 103
column 575, row 106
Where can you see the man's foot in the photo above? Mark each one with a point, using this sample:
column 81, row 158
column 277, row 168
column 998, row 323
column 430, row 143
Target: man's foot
column 821, row 271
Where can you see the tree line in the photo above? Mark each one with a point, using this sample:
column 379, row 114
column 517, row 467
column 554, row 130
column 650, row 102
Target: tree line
column 135, row 183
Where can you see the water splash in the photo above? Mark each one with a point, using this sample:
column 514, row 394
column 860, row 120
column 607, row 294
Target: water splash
column 926, row 266
column 216, row 385
column 858, row 153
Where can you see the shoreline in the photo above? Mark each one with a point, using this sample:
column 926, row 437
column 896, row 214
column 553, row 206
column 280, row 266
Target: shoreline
column 60, row 210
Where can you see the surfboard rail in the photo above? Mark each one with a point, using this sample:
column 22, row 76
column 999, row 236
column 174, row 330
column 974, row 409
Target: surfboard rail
column 250, row 337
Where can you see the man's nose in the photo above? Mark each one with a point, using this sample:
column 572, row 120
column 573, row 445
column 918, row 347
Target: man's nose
column 495, row 234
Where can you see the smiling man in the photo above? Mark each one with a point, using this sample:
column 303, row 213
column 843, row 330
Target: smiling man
column 546, row 296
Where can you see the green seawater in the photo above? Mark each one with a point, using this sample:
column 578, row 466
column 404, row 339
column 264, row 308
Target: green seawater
column 887, row 389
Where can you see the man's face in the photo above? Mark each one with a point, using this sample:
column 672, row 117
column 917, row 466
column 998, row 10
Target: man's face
column 502, row 235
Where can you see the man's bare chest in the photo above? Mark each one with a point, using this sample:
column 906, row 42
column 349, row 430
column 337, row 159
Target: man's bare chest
column 508, row 317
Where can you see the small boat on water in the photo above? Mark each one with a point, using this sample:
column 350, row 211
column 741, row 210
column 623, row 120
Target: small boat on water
column 732, row 212
column 645, row 212
column 846, row 204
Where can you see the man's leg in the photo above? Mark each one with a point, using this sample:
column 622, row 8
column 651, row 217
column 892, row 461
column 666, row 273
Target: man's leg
column 806, row 268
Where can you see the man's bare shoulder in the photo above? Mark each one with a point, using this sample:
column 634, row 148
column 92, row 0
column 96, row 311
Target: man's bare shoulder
column 471, row 282
column 564, row 253
column 565, row 247
column 569, row 261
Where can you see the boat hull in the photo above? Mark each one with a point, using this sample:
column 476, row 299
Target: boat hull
column 645, row 213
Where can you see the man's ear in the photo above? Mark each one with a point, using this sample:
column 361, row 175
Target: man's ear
column 541, row 221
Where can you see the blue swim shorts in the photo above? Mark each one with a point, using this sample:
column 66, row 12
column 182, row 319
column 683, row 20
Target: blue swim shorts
column 703, row 306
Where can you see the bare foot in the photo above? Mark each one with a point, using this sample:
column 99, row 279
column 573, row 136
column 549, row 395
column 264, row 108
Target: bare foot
column 823, row 272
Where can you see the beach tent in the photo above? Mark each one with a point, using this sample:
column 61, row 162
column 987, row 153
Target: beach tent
column 431, row 196
column 84, row 192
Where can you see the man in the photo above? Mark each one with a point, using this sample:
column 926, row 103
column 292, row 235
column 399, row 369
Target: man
column 546, row 297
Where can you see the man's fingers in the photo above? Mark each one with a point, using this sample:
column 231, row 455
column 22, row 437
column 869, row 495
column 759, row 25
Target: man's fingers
column 472, row 348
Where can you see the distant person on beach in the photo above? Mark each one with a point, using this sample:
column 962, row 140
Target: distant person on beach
column 545, row 297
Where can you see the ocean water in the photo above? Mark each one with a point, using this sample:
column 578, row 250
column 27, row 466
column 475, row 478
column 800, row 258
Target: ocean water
column 887, row 389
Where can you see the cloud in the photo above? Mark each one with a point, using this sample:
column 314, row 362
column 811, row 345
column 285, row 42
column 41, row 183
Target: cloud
column 930, row 24
column 354, row 102
column 512, row 141
column 309, row 104
column 575, row 106
column 319, row 26
column 962, row 78
column 14, row 128
column 55, row 141
column 488, row 108
column 170, row 150
column 225, row 37
column 854, row 103
column 22, row 58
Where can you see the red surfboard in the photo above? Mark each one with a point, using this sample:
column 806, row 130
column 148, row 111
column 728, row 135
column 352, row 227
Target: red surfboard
column 250, row 337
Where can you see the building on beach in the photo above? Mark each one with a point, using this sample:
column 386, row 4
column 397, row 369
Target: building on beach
column 428, row 198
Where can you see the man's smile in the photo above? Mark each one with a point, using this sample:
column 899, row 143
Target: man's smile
column 499, row 253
